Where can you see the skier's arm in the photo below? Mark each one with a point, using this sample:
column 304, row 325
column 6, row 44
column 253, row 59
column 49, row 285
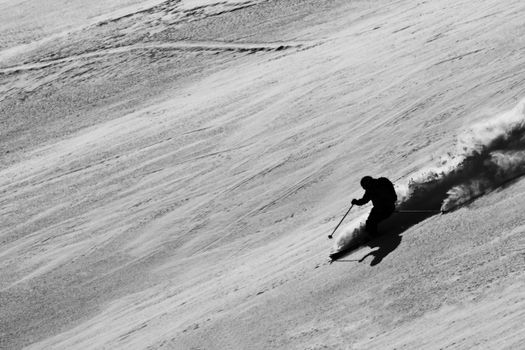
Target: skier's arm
column 362, row 201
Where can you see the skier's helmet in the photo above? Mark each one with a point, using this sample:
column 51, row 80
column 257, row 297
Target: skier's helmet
column 366, row 182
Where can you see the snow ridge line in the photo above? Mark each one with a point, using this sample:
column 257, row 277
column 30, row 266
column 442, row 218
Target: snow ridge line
column 216, row 46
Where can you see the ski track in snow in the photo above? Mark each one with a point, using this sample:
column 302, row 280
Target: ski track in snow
column 184, row 46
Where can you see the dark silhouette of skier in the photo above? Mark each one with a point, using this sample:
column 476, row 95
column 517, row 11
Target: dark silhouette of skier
column 383, row 196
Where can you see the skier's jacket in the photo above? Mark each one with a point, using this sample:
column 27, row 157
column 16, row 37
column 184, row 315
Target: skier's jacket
column 382, row 194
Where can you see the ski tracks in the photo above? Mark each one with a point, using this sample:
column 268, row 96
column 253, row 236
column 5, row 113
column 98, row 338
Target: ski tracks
column 195, row 46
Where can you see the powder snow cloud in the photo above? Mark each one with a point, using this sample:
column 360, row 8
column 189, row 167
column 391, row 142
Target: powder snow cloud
column 488, row 155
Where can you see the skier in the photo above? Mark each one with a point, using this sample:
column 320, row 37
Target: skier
column 383, row 196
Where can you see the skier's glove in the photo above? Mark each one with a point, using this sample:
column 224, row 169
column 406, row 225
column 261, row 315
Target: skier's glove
column 354, row 201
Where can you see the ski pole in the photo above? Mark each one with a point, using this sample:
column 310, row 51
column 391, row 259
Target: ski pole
column 340, row 222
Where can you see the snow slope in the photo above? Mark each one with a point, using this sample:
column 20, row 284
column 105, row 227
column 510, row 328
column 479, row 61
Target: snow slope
column 170, row 170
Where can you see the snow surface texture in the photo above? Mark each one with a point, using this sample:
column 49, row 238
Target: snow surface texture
column 170, row 171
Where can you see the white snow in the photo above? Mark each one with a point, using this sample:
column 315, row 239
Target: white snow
column 170, row 171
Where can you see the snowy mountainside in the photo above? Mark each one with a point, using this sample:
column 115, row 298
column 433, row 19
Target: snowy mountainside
column 169, row 172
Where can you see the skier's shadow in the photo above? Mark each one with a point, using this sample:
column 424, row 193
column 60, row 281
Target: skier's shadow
column 385, row 245
column 393, row 228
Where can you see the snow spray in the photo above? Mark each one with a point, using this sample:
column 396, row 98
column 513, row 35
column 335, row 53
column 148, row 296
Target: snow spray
column 488, row 155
